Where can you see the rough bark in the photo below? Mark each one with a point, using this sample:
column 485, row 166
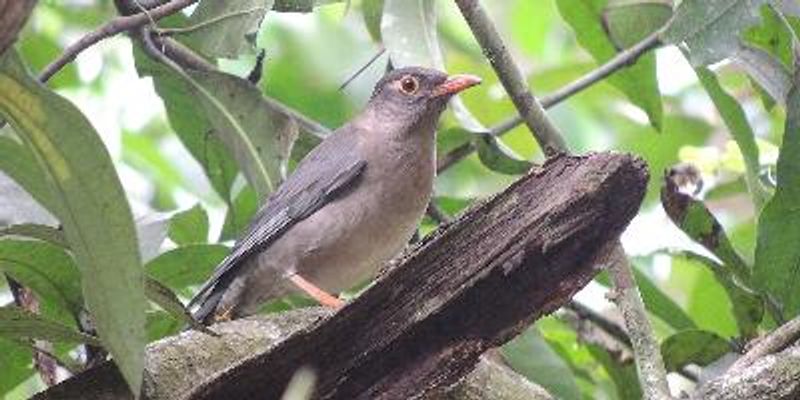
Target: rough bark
column 773, row 377
column 471, row 286
column 13, row 14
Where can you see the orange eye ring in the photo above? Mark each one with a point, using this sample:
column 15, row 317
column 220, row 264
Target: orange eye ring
column 409, row 85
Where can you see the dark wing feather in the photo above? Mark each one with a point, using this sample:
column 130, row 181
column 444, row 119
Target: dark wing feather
column 330, row 169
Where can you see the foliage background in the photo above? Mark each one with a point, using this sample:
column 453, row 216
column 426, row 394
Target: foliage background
column 657, row 109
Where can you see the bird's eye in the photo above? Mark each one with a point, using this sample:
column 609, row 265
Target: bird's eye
column 409, row 85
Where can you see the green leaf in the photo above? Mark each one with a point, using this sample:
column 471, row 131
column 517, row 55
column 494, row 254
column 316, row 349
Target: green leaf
column 777, row 264
column 91, row 206
column 772, row 36
column 161, row 324
column 409, row 33
column 748, row 307
column 185, row 266
column 47, row 270
column 16, row 361
column 530, row 355
column 44, row 233
column 637, row 81
column 189, row 226
column 259, row 136
column 622, row 374
column 693, row 346
column 18, row 324
column 372, row 11
column 498, row 157
column 169, row 302
column 630, row 21
column 711, row 28
column 240, row 212
column 18, row 162
column 191, row 124
column 735, row 119
column 220, row 29
column 660, row 304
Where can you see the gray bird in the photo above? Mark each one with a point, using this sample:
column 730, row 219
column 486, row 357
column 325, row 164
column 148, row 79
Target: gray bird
column 350, row 205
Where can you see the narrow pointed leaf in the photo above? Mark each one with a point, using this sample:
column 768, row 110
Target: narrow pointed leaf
column 735, row 119
column 91, row 206
column 18, row 324
column 777, row 265
column 44, row 233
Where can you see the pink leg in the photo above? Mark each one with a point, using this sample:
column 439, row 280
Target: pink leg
column 321, row 296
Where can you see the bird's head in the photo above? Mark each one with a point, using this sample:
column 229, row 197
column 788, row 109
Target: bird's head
column 418, row 94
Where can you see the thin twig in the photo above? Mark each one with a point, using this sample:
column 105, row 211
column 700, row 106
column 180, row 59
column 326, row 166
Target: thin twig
column 358, row 72
column 621, row 60
column 531, row 111
column 649, row 364
column 779, row 339
column 618, row 62
column 111, row 28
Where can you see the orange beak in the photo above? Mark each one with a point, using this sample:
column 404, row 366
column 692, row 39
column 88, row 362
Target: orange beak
column 455, row 84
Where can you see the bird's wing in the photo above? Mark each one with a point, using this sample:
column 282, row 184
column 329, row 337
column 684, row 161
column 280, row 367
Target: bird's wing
column 307, row 190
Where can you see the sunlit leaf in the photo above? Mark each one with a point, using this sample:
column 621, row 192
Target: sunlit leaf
column 16, row 361
column 239, row 214
column 637, row 81
column 94, row 212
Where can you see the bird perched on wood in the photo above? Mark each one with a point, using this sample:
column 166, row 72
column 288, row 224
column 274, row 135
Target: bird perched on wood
column 351, row 204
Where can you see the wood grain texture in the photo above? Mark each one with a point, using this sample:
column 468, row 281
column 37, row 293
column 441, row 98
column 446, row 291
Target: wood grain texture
column 471, row 286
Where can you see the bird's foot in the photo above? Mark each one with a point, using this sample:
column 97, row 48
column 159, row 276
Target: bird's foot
column 321, row 296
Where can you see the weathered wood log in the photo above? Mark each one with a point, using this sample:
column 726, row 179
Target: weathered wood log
column 471, row 286
column 174, row 365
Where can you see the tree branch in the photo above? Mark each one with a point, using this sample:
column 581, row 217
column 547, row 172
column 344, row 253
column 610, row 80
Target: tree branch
column 649, row 365
column 109, row 29
column 511, row 77
column 773, row 377
column 786, row 335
